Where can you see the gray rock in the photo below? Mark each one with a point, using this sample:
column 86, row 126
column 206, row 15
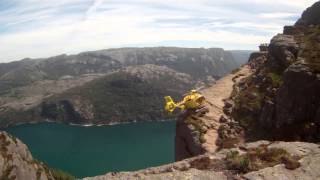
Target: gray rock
column 16, row 161
column 186, row 142
column 211, row 166
column 284, row 49
column 309, row 170
column 192, row 174
column 311, row 16
column 298, row 98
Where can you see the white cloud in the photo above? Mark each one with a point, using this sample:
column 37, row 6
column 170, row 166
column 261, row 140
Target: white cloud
column 277, row 15
column 42, row 28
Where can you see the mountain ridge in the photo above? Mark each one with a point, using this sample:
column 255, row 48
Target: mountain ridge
column 26, row 86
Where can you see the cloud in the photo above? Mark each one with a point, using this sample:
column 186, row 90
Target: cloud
column 42, row 28
column 93, row 7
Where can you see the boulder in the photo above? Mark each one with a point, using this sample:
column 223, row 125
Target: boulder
column 311, row 16
column 298, row 98
column 284, row 49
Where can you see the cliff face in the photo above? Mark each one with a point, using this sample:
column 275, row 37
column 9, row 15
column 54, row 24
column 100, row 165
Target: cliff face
column 278, row 98
column 281, row 100
column 107, row 86
column 310, row 16
column 16, row 161
column 197, row 133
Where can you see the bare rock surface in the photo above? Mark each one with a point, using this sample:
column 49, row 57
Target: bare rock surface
column 192, row 174
column 212, row 166
column 280, row 100
column 310, row 16
column 307, row 171
column 16, row 161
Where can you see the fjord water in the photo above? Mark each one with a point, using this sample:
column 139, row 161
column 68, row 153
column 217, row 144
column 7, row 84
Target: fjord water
column 91, row 151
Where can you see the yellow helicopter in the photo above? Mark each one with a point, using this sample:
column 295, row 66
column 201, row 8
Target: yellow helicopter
column 193, row 100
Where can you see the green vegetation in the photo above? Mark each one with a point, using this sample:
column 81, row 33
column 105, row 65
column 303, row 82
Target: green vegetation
column 119, row 95
column 246, row 121
column 276, row 79
column 249, row 98
column 10, row 116
column 14, row 93
column 4, row 142
column 259, row 158
column 247, row 103
column 202, row 138
column 6, row 174
column 61, row 175
column 57, row 174
column 237, row 162
column 251, row 159
column 198, row 126
column 311, row 50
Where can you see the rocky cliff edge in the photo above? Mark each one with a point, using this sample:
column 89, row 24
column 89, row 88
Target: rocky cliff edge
column 16, row 161
column 261, row 160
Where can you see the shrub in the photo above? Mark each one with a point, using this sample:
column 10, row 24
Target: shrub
column 259, row 158
column 61, row 175
column 276, row 79
column 237, row 162
column 202, row 138
column 311, row 50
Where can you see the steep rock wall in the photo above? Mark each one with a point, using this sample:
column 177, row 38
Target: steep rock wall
column 281, row 100
column 16, row 161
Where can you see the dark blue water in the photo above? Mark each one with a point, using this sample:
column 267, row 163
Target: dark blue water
column 90, row 151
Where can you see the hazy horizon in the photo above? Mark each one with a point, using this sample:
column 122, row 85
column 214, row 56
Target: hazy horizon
column 68, row 54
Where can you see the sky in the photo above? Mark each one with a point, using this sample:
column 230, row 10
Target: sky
column 43, row 28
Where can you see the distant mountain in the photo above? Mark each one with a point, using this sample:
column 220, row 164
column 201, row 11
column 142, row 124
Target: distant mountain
column 197, row 62
column 241, row 56
column 111, row 83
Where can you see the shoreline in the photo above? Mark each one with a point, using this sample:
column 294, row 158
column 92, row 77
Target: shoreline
column 85, row 125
